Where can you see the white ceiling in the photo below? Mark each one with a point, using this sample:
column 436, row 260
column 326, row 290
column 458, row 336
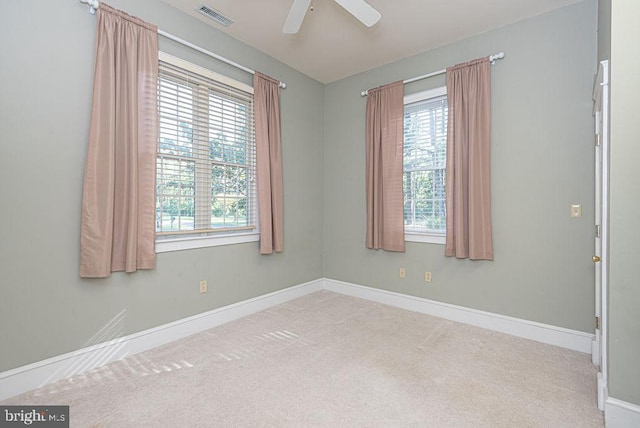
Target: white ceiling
column 332, row 44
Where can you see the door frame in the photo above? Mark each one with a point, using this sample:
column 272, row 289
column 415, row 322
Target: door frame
column 601, row 267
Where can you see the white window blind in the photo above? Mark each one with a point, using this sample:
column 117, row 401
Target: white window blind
column 206, row 154
column 425, row 150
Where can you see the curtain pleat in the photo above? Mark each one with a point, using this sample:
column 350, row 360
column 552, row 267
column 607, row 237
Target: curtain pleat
column 468, row 173
column 118, row 206
column 384, row 158
column 266, row 95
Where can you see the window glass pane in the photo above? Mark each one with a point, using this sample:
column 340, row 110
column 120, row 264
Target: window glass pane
column 230, row 191
column 175, row 205
column 228, row 130
column 206, row 155
column 425, row 148
column 424, row 206
column 175, row 105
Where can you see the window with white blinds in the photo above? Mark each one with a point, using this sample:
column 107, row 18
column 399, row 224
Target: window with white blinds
column 206, row 153
column 425, row 152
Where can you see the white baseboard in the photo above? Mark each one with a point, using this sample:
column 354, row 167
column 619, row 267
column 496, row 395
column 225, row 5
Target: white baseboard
column 22, row 379
column 620, row 414
column 566, row 338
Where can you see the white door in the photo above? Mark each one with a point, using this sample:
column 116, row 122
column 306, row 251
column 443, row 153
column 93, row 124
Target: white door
column 601, row 116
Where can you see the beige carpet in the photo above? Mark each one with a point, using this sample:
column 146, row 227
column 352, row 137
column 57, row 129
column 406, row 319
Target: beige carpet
column 327, row 360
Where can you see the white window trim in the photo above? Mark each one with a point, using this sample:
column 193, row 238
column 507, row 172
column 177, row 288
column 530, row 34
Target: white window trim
column 163, row 56
column 166, row 244
column 425, row 237
column 424, row 95
column 428, row 238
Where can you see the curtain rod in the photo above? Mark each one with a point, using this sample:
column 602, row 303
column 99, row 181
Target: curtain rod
column 209, row 53
column 492, row 58
column 95, row 4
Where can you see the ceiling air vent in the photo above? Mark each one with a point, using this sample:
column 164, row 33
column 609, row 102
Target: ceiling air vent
column 215, row 15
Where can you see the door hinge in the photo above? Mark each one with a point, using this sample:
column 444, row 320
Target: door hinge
column 597, row 140
column 597, row 323
column 597, row 231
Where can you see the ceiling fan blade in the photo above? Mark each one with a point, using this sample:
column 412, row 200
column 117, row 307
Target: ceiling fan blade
column 362, row 10
column 296, row 16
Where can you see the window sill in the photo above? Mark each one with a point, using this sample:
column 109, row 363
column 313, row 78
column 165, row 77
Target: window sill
column 428, row 238
column 178, row 244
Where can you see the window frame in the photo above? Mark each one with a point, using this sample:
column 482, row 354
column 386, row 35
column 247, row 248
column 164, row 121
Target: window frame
column 414, row 236
column 180, row 241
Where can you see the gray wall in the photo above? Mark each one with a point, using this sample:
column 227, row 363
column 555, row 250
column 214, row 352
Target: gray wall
column 46, row 69
column 604, row 29
column 542, row 161
column 624, row 250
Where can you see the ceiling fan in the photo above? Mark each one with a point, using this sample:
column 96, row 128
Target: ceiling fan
column 360, row 9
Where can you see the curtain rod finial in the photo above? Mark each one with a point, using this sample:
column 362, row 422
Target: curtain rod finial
column 283, row 85
column 495, row 57
column 93, row 5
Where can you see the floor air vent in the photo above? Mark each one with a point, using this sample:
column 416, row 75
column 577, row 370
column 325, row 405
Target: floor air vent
column 215, row 15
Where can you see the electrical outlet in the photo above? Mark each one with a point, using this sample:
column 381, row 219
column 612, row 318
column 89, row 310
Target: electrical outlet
column 427, row 277
column 403, row 273
column 203, row 286
column 576, row 210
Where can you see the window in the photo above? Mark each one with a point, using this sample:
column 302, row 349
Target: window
column 205, row 173
column 425, row 149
